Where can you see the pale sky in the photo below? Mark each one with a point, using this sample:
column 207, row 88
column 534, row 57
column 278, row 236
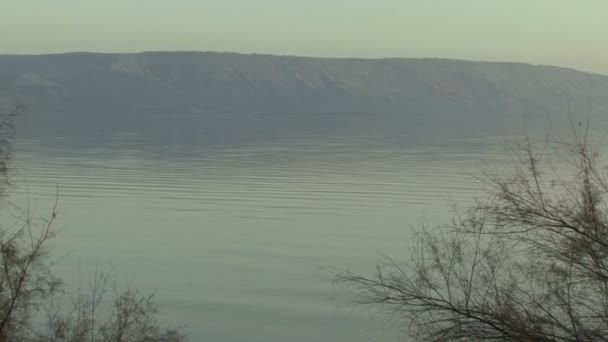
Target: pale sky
column 571, row 33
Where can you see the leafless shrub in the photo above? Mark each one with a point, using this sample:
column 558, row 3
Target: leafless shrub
column 104, row 313
column 28, row 288
column 25, row 277
column 7, row 134
column 529, row 263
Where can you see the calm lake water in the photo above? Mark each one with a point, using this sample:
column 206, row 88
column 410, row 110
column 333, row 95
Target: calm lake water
column 236, row 223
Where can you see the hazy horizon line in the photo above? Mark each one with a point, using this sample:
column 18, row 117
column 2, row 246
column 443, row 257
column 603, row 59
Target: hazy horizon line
column 269, row 54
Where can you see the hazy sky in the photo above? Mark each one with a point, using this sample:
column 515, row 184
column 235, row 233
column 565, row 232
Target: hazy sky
column 560, row 32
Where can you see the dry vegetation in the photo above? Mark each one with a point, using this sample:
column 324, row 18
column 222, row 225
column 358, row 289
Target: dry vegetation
column 529, row 263
column 29, row 293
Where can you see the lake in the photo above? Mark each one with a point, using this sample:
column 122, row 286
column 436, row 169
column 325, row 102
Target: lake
column 237, row 222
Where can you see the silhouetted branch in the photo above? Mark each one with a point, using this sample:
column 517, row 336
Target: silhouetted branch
column 530, row 263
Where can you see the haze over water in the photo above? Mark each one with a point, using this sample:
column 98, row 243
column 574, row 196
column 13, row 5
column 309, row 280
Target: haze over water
column 236, row 223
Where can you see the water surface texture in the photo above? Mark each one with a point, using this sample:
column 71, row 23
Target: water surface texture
column 236, row 223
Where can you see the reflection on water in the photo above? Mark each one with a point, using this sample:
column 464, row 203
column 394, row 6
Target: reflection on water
column 236, row 236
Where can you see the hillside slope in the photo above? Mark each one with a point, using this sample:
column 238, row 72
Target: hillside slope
column 234, row 83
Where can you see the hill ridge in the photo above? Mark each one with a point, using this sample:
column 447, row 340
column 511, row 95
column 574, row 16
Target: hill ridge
column 204, row 81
